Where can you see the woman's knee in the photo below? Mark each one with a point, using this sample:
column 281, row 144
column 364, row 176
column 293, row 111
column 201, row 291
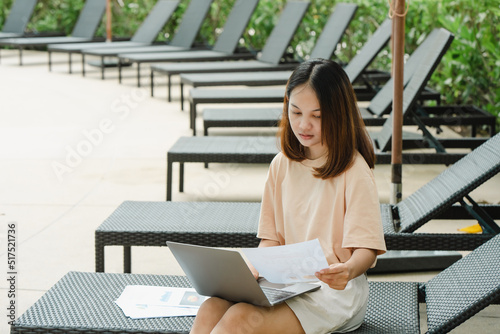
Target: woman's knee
column 241, row 318
column 214, row 307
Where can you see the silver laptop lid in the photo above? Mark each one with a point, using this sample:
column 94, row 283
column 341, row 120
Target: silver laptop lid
column 219, row 273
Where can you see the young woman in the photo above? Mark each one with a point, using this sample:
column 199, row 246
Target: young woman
column 320, row 185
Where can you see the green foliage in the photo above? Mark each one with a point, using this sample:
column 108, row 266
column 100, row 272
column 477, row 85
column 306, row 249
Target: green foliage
column 468, row 74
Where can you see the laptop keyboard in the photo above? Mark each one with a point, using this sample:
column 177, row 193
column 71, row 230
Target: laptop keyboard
column 276, row 295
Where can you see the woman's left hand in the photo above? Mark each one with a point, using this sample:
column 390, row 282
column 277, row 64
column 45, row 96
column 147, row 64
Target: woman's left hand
column 336, row 276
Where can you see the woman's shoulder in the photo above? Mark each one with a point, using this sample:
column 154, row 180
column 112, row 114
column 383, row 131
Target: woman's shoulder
column 279, row 159
column 359, row 166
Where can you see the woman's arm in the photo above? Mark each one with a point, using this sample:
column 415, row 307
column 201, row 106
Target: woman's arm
column 339, row 274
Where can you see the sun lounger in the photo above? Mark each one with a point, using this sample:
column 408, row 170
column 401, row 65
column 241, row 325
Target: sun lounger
column 234, row 224
column 273, row 50
column 145, row 35
column 330, row 36
column 261, row 149
column 434, row 47
column 452, row 297
column 224, row 49
column 183, row 40
column 247, row 149
column 432, row 116
column 84, row 30
column 19, row 16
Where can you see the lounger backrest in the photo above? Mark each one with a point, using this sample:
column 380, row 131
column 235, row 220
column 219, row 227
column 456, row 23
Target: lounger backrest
column 283, row 32
column 421, row 74
column 154, row 22
column 369, row 51
column 451, row 185
column 19, row 16
column 89, row 18
column 235, row 25
column 382, row 102
column 191, row 23
column 333, row 30
column 464, row 288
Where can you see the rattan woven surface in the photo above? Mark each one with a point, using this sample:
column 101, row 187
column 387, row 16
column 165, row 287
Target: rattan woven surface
column 464, row 288
column 183, row 217
column 392, row 309
column 84, row 303
column 247, row 149
column 215, row 224
column 451, row 185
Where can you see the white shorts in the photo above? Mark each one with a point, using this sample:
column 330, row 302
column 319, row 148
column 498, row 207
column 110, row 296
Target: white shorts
column 327, row 310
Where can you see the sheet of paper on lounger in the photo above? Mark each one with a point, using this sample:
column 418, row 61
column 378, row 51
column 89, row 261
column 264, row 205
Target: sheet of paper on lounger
column 138, row 301
column 287, row 264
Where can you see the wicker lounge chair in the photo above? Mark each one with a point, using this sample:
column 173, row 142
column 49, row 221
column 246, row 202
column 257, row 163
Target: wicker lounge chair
column 234, row 224
column 269, row 60
column 84, row 30
column 19, row 16
column 322, row 49
column 224, row 49
column 433, row 48
column 184, row 38
column 261, row 149
column 85, row 302
column 145, row 35
column 334, row 29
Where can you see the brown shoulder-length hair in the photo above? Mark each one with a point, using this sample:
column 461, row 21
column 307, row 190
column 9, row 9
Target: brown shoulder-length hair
column 342, row 127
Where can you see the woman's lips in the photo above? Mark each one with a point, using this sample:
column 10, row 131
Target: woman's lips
column 306, row 137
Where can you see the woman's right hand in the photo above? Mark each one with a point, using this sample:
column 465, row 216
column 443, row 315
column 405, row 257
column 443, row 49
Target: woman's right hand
column 253, row 270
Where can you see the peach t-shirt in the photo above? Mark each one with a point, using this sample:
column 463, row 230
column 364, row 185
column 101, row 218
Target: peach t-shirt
column 342, row 212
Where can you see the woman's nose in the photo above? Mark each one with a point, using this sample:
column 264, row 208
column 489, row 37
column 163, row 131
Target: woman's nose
column 305, row 124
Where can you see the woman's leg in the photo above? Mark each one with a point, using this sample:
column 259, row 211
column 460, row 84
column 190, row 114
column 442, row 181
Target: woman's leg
column 243, row 318
column 209, row 314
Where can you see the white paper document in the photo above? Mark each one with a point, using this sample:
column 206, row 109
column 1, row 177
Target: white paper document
column 140, row 301
column 290, row 263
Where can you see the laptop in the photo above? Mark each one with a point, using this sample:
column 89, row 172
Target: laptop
column 224, row 273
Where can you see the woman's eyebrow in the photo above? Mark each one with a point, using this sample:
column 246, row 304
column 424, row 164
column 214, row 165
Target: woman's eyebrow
column 314, row 110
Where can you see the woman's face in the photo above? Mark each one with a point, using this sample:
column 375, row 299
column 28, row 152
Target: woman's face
column 305, row 119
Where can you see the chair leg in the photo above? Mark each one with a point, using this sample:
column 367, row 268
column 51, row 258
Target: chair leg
column 70, row 63
column 50, row 61
column 169, row 97
column 102, row 68
column 151, row 82
column 181, row 177
column 138, row 74
column 99, row 256
column 193, row 117
column 169, row 181
column 83, row 65
column 127, row 259
column 119, row 70
column 182, row 96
